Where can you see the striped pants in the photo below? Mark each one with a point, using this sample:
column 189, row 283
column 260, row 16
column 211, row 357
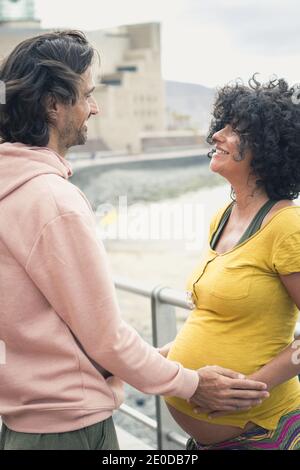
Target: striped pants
column 285, row 437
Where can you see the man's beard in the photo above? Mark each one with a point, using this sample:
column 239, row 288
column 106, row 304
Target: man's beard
column 81, row 136
column 70, row 136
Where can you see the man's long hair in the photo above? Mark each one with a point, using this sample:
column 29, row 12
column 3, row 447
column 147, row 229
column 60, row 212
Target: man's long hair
column 38, row 69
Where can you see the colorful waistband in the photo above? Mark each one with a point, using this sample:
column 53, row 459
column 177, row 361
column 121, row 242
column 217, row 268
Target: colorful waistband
column 285, row 437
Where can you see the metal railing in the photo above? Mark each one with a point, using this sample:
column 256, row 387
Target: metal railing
column 163, row 303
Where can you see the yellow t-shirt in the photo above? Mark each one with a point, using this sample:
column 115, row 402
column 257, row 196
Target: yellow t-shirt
column 244, row 316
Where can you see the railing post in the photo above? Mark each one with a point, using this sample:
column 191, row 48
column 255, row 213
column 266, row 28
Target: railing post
column 164, row 330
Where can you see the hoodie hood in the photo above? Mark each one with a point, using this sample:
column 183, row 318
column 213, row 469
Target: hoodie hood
column 20, row 163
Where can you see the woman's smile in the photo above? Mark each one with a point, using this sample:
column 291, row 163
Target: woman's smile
column 219, row 152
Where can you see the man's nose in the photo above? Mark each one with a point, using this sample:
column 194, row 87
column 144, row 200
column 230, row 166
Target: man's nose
column 94, row 108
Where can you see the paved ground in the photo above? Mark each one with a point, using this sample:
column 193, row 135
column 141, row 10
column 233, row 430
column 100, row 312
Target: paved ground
column 129, row 442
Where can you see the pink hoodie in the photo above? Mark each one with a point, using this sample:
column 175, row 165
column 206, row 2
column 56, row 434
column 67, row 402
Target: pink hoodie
column 59, row 317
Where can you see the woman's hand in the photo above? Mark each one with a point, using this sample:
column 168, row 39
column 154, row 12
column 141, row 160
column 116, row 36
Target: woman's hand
column 223, row 390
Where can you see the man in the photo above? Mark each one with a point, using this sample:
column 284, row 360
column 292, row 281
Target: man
column 67, row 347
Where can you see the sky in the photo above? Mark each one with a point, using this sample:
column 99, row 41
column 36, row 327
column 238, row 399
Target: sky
column 210, row 42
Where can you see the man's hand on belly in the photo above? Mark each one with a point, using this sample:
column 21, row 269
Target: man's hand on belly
column 222, row 389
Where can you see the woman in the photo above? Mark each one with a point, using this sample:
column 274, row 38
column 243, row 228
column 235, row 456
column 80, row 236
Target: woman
column 246, row 290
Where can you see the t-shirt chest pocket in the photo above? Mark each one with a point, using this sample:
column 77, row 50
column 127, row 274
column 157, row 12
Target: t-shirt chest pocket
column 231, row 283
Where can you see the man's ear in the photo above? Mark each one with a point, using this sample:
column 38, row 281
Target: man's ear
column 52, row 107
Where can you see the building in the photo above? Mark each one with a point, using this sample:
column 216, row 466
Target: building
column 131, row 93
column 129, row 85
column 17, row 13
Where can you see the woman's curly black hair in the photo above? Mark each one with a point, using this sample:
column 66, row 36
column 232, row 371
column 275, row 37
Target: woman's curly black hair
column 267, row 119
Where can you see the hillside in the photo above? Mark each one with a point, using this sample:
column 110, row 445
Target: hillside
column 188, row 105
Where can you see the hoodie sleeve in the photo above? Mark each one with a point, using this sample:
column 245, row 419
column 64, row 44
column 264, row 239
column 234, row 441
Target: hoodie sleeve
column 69, row 266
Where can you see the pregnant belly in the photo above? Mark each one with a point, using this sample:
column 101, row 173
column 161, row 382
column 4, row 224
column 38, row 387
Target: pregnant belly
column 206, row 433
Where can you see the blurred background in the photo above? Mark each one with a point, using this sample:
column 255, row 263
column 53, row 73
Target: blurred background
column 161, row 63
